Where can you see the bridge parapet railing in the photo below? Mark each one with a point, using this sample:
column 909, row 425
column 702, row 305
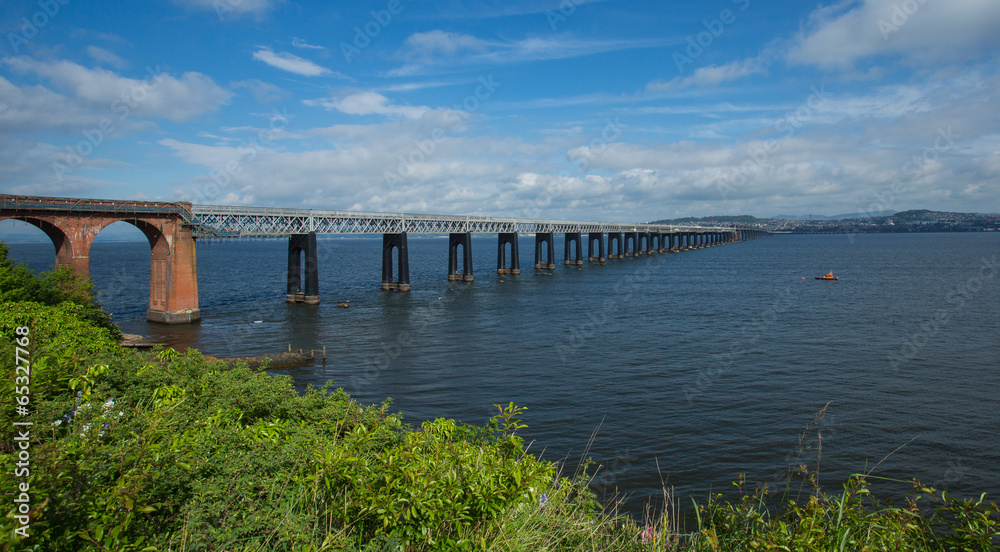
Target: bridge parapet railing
column 230, row 221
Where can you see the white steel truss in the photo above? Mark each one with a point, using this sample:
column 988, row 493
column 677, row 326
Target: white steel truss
column 219, row 221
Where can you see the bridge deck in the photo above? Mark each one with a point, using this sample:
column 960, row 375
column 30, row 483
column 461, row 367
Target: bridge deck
column 220, row 221
column 225, row 221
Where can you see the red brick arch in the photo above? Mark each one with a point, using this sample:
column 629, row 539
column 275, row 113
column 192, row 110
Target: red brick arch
column 173, row 278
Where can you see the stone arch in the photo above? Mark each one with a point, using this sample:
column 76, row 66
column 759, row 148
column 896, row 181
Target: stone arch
column 69, row 252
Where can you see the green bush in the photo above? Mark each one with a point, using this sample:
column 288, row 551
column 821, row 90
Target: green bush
column 171, row 451
column 18, row 283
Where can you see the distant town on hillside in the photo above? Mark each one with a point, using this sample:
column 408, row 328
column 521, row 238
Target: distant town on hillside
column 918, row 220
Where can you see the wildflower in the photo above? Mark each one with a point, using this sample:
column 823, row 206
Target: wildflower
column 543, row 500
column 648, row 535
column 57, row 423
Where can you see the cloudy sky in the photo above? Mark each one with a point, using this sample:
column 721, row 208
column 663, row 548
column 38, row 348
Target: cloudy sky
column 564, row 109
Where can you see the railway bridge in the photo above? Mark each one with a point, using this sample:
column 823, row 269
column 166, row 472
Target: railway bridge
column 173, row 228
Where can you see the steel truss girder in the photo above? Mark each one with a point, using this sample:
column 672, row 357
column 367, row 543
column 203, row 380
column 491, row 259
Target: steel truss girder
column 263, row 222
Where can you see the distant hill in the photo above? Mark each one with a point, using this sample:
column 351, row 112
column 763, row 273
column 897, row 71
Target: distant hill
column 835, row 217
column 742, row 219
column 914, row 215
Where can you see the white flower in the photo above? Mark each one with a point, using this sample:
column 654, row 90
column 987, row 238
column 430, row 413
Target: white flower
column 57, row 423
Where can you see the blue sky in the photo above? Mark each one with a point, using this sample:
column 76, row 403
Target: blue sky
column 571, row 109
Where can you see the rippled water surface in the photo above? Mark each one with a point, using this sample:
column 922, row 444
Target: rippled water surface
column 693, row 367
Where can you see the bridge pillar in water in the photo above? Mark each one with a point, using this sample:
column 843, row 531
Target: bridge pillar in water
column 173, row 275
column 633, row 238
column 503, row 239
column 598, row 239
column 573, row 245
column 644, row 244
column 303, row 245
column 455, row 240
column 548, row 239
column 395, row 242
column 616, row 245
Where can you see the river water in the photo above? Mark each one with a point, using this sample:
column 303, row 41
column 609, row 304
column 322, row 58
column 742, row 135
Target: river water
column 682, row 369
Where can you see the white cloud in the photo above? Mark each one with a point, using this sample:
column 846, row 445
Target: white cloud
column 292, row 63
column 437, row 50
column 27, row 170
column 837, row 160
column 432, row 42
column 919, row 31
column 93, row 94
column 301, row 43
column 101, row 55
column 263, row 92
column 369, row 103
column 712, row 75
column 232, row 9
